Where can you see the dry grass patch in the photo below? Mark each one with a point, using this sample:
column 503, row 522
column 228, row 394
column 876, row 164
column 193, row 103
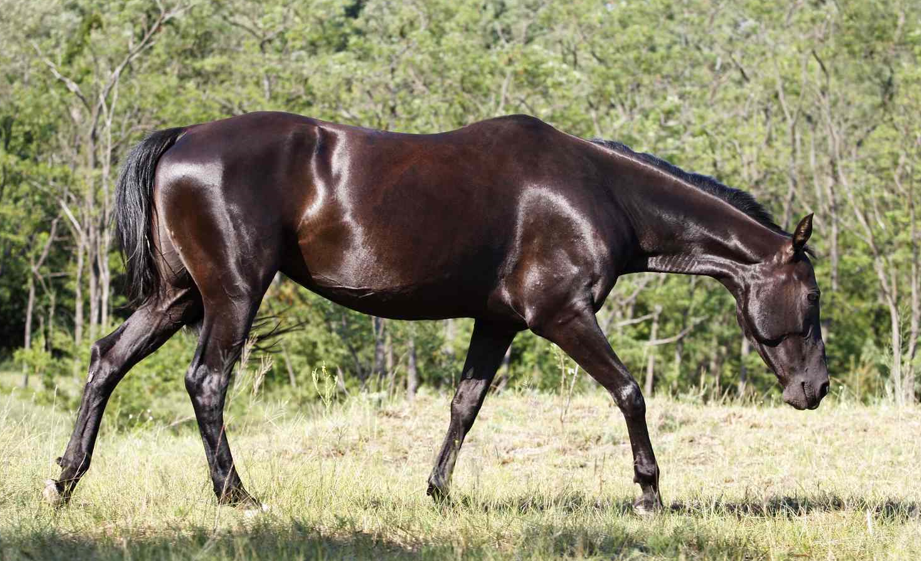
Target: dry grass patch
column 531, row 482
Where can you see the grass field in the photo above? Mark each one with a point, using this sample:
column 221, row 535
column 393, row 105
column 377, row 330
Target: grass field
column 535, row 480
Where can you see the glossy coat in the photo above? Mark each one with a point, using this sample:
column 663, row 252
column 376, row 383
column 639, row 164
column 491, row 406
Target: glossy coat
column 508, row 221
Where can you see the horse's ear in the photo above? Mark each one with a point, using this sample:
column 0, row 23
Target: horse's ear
column 802, row 233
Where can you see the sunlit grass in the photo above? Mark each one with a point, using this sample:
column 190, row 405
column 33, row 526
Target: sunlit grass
column 532, row 482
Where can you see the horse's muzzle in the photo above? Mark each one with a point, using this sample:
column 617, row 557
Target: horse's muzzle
column 805, row 395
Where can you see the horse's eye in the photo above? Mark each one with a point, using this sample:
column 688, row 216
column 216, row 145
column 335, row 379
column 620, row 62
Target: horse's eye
column 813, row 297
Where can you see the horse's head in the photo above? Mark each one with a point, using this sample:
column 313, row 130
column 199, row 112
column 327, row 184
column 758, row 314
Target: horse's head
column 778, row 309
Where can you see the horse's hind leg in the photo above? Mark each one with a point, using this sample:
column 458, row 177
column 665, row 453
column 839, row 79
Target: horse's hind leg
column 487, row 347
column 226, row 326
column 229, row 238
column 111, row 358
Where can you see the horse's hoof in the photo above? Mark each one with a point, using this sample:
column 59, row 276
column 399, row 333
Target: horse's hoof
column 252, row 512
column 438, row 494
column 239, row 498
column 648, row 506
column 53, row 493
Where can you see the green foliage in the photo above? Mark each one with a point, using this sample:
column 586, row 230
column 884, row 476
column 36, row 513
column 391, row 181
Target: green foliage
column 38, row 362
column 813, row 107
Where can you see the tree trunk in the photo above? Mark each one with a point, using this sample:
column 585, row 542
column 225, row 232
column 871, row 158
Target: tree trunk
column 377, row 326
column 449, row 340
column 651, row 356
column 291, row 378
column 743, row 369
column 78, row 296
column 92, row 291
column 827, row 205
column 390, row 370
column 504, row 369
column 412, row 373
column 49, row 338
column 896, row 341
column 915, row 320
column 716, row 365
column 27, row 339
column 104, row 284
column 89, row 224
column 388, row 352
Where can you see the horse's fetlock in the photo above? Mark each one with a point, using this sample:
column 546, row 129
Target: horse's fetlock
column 72, row 469
column 645, row 473
column 439, row 487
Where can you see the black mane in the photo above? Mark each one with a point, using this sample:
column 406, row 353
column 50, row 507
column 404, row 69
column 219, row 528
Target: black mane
column 741, row 200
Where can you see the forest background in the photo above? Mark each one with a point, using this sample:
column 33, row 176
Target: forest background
column 812, row 106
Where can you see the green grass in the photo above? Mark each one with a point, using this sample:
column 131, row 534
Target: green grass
column 739, row 482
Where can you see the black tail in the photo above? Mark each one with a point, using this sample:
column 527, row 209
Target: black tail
column 133, row 207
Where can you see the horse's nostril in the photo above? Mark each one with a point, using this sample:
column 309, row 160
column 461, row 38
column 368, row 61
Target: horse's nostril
column 823, row 390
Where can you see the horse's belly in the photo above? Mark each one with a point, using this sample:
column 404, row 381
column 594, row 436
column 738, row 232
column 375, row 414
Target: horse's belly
column 417, row 304
column 394, row 284
column 421, row 300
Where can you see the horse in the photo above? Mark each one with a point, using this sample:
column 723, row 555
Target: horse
column 508, row 221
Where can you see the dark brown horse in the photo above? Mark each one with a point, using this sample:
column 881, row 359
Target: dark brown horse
column 507, row 221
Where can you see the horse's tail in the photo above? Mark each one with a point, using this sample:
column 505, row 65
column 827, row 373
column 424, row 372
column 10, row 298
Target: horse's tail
column 133, row 208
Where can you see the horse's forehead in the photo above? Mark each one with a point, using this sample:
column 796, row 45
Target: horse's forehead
column 784, row 274
column 803, row 271
column 800, row 275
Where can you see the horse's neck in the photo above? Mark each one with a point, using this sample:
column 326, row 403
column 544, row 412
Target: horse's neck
column 684, row 230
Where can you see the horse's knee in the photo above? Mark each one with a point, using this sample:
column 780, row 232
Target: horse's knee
column 468, row 399
column 630, row 400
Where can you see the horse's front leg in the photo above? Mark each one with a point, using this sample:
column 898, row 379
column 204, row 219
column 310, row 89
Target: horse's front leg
column 487, row 347
column 577, row 332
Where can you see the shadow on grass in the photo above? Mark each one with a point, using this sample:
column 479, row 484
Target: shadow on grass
column 296, row 541
column 683, row 541
column 597, row 528
column 292, row 541
column 888, row 510
column 568, row 502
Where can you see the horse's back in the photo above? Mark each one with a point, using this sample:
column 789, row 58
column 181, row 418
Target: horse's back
column 398, row 225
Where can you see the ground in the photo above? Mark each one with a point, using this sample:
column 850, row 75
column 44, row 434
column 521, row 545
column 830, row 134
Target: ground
column 538, row 478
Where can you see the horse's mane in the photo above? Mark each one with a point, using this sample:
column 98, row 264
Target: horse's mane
column 741, row 200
